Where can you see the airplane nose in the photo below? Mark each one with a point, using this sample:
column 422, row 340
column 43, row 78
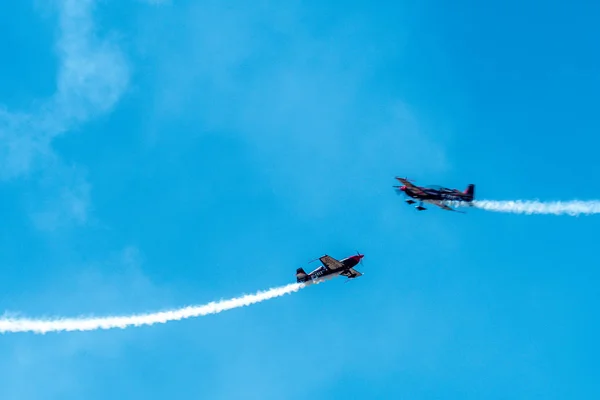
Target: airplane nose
column 358, row 257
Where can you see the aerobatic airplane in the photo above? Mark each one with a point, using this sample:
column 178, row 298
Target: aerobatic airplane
column 436, row 195
column 331, row 268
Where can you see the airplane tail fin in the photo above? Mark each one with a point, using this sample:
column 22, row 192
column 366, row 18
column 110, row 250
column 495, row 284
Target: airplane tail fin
column 300, row 275
column 470, row 192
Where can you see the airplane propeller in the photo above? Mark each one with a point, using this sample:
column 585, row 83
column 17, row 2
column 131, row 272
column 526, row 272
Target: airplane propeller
column 360, row 258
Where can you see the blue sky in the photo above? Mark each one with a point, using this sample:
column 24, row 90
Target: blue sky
column 155, row 155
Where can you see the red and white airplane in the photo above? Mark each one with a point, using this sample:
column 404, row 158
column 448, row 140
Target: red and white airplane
column 331, row 268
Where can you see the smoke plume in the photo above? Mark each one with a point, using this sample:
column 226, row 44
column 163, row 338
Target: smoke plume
column 95, row 323
column 573, row 208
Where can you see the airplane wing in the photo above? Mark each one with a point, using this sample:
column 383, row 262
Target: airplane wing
column 330, row 262
column 351, row 273
column 408, row 184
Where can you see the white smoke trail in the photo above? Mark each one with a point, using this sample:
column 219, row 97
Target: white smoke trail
column 95, row 323
column 573, row 208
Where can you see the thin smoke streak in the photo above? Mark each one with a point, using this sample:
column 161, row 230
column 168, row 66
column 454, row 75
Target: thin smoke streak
column 14, row 325
column 572, row 208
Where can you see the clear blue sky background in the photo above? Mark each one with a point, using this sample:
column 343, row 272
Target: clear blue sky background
column 159, row 155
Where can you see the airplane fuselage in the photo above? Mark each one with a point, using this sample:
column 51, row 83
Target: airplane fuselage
column 319, row 274
column 437, row 195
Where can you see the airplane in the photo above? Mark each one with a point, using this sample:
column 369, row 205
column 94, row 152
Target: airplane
column 331, row 268
column 436, row 195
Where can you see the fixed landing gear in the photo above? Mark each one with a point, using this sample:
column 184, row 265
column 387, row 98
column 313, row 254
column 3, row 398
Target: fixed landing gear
column 419, row 207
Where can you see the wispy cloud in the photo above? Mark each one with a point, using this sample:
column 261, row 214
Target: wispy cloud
column 298, row 94
column 93, row 74
column 67, row 195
